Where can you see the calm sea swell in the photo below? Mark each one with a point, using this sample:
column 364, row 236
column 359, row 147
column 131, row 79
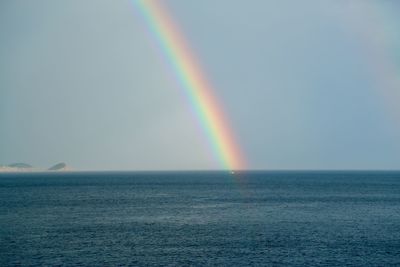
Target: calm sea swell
column 200, row 218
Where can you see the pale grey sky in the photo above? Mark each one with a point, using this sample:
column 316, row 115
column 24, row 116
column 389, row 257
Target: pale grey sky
column 81, row 82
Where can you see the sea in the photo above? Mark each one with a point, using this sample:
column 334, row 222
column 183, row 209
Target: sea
column 218, row 218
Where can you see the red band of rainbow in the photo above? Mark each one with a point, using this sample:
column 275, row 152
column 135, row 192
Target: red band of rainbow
column 193, row 82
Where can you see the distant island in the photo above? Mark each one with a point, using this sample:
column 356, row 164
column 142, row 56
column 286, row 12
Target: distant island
column 19, row 165
column 59, row 167
column 24, row 167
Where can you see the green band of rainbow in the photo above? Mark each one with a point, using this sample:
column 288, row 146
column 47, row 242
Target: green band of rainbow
column 198, row 90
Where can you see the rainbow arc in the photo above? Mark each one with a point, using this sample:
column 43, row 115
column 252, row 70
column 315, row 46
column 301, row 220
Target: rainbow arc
column 193, row 83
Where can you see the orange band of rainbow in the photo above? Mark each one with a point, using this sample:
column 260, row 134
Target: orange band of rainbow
column 193, row 82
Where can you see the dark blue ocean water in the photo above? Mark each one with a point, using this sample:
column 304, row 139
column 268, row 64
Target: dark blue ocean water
column 200, row 218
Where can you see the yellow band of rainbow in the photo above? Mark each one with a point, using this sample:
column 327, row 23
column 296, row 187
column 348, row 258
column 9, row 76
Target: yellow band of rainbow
column 193, row 82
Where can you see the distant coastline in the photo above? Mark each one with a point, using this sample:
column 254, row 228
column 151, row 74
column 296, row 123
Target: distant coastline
column 24, row 167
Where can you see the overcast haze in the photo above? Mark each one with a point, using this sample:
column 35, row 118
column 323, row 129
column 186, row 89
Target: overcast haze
column 82, row 82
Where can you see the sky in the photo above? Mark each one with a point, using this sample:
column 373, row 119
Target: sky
column 304, row 84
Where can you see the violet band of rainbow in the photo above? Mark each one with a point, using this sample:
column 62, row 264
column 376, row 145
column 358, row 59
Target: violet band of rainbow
column 192, row 80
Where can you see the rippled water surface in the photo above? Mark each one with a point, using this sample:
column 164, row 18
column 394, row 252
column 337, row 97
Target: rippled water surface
column 200, row 218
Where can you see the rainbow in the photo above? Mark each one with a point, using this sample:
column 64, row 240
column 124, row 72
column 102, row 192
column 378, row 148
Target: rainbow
column 373, row 23
column 193, row 82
